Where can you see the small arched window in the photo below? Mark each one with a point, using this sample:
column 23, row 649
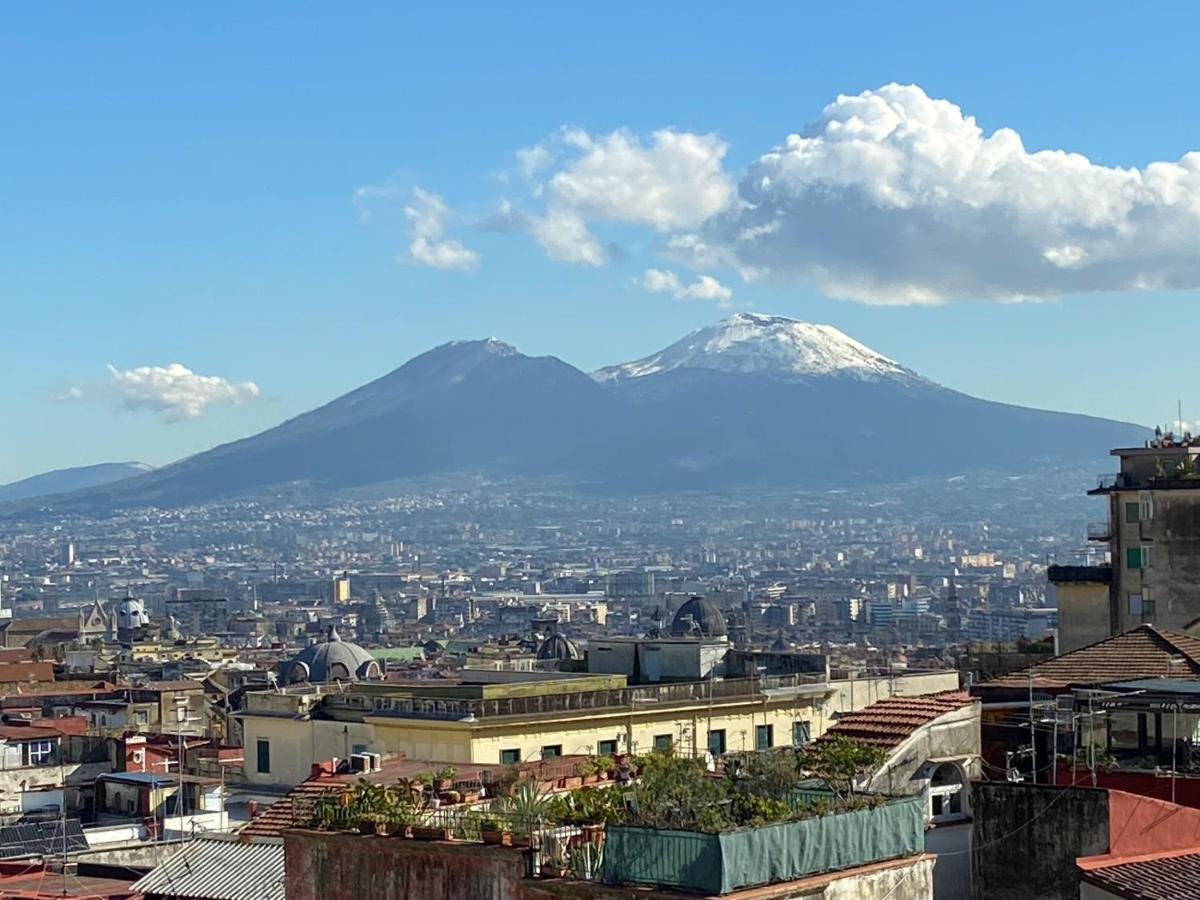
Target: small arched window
column 946, row 797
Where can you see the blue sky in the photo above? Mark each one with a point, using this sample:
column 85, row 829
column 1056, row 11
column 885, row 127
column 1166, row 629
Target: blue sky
column 179, row 186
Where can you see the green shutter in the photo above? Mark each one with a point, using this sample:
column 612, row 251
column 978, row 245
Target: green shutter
column 1133, row 513
column 1133, row 558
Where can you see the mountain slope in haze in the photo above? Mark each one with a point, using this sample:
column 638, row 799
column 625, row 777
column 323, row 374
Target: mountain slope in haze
column 752, row 400
column 464, row 406
column 61, row 481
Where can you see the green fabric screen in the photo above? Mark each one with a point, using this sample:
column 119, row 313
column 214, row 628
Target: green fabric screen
column 720, row 863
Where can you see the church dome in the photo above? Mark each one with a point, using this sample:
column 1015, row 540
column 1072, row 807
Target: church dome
column 558, row 646
column 332, row 660
column 699, row 617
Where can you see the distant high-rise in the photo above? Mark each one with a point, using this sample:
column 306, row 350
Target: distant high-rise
column 66, row 554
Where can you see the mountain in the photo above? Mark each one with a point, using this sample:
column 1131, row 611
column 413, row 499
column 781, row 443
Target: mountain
column 63, row 480
column 753, row 400
column 752, row 344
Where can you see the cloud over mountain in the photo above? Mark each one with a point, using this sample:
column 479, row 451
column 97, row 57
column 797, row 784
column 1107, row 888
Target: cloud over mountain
column 889, row 197
column 177, row 393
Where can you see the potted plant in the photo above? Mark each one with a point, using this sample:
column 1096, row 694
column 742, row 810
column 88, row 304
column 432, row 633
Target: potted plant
column 451, row 797
column 588, row 771
column 554, row 867
column 605, row 766
column 444, row 780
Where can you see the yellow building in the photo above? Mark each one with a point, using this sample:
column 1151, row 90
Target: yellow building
column 512, row 717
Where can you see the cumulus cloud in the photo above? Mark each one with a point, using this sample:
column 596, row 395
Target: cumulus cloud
column 176, row 393
column 893, row 197
column 427, row 214
column 673, row 180
column 705, row 287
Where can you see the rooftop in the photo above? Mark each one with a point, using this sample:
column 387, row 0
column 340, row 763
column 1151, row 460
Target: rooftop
column 219, row 869
column 888, row 723
column 1174, row 875
column 1144, row 652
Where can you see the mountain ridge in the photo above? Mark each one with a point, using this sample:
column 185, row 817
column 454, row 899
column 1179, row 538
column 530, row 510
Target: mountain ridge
column 751, row 400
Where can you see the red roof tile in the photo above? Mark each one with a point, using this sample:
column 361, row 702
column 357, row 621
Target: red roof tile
column 1144, row 652
column 1167, row 877
column 888, row 723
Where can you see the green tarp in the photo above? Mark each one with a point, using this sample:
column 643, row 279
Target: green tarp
column 720, row 863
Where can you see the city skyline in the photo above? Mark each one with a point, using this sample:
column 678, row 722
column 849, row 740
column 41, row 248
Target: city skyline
column 217, row 247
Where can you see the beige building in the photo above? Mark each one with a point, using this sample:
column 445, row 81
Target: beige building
column 1153, row 540
column 511, row 717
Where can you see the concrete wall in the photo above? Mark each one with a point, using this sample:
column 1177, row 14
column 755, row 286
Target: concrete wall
column 323, row 865
column 1172, row 580
column 1083, row 614
column 297, row 743
column 952, row 736
column 951, row 843
column 1027, row 838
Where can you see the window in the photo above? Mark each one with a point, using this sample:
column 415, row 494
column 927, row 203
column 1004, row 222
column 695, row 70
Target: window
column 37, row 753
column 1133, row 558
column 801, row 734
column 764, row 737
column 1135, row 604
column 946, row 794
column 264, row 755
column 141, row 716
column 1133, row 513
column 1146, row 508
column 552, row 751
column 510, row 757
column 663, row 743
column 716, row 741
column 606, row 748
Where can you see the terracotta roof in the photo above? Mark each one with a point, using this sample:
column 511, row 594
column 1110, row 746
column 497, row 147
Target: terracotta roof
column 1144, row 652
column 888, row 723
column 1172, row 876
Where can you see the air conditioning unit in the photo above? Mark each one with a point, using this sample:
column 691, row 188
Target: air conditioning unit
column 376, row 761
column 360, row 762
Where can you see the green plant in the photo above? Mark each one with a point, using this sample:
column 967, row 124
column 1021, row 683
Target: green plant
column 526, row 807
column 446, row 773
column 587, row 861
column 425, row 779
column 587, row 768
column 841, row 762
column 604, row 764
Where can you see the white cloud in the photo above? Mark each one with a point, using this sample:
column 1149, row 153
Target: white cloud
column 427, row 214
column 674, row 180
column 893, row 197
column 74, row 392
column 176, row 393
column 705, row 287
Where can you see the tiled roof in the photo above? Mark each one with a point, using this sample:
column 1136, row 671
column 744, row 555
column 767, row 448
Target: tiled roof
column 888, row 723
column 218, row 869
column 1167, row 877
column 1144, row 652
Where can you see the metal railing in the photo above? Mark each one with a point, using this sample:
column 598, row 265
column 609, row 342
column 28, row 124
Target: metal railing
column 574, row 701
column 1099, row 531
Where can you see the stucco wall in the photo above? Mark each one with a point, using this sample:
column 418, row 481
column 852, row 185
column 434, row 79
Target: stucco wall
column 320, row 866
column 1027, row 838
column 1083, row 614
column 296, row 744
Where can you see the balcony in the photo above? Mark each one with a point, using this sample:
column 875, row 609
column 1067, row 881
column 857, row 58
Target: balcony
column 1079, row 574
column 1099, row 531
column 1110, row 481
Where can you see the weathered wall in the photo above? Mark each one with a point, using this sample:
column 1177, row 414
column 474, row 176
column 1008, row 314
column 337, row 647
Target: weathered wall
column 1027, row 838
column 956, row 735
column 1083, row 614
column 951, row 843
column 324, row 865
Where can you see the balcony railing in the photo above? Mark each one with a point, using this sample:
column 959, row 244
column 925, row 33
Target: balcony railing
column 641, row 697
column 1109, row 481
column 1099, row 531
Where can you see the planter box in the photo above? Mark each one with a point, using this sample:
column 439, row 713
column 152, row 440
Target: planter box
column 748, row 857
column 497, row 838
column 424, row 833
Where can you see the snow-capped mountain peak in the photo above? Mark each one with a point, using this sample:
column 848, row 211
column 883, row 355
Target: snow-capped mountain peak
column 750, row 343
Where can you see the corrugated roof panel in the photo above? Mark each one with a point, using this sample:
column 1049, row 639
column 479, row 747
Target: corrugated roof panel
column 216, row 869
